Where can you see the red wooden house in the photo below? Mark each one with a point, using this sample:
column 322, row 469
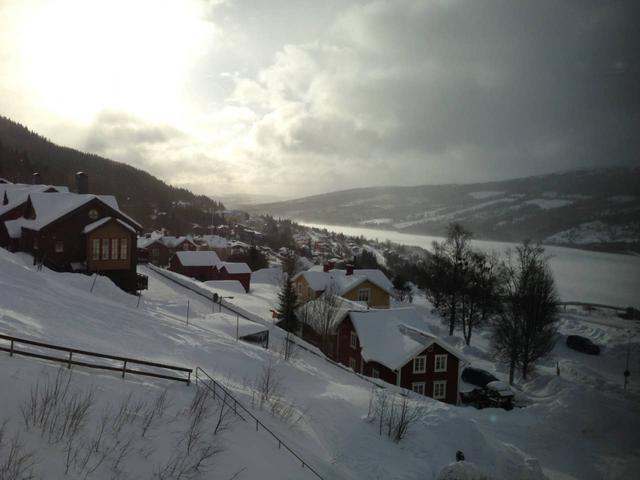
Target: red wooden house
column 392, row 345
column 199, row 265
column 158, row 249
column 234, row 271
column 78, row 232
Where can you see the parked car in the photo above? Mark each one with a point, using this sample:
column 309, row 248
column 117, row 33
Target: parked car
column 477, row 377
column 495, row 394
column 582, row 344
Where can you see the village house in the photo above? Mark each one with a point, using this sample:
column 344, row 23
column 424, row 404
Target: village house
column 389, row 344
column 13, row 200
column 158, row 248
column 215, row 243
column 371, row 287
column 205, row 265
column 78, row 232
column 199, row 264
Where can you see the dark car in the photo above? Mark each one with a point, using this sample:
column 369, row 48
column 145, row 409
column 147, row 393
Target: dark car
column 494, row 394
column 582, row 344
column 477, row 377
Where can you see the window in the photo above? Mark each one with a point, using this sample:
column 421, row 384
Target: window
column 440, row 363
column 311, row 292
column 418, row 387
column 375, row 373
column 105, row 249
column 93, row 214
column 35, row 244
column 124, row 249
column 363, row 295
column 352, row 364
column 155, row 252
column 59, row 246
column 114, row 249
column 420, row 364
column 95, row 249
column 440, row 389
column 353, row 340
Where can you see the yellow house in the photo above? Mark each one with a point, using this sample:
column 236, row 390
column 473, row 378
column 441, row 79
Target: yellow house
column 368, row 286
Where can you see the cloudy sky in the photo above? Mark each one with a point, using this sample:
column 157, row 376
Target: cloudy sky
column 296, row 97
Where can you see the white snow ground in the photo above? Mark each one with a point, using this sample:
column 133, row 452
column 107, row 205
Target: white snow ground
column 581, row 425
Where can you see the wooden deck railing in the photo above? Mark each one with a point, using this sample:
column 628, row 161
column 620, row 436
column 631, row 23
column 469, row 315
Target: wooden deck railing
column 16, row 347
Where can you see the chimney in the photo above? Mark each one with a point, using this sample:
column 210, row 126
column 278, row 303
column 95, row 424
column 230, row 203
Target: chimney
column 326, row 267
column 82, row 183
column 35, row 178
column 349, row 269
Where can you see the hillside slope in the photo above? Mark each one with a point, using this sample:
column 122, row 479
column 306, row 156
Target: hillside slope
column 589, row 209
column 580, row 426
column 143, row 196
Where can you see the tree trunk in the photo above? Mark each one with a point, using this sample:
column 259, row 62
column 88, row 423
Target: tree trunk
column 512, row 369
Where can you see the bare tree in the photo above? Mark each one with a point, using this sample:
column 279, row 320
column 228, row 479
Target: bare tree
column 322, row 315
column 446, row 273
column 526, row 328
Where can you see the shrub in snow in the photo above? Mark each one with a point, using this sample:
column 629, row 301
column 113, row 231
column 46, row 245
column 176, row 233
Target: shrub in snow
column 462, row 471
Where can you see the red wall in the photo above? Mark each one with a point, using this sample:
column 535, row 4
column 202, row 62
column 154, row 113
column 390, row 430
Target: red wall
column 345, row 352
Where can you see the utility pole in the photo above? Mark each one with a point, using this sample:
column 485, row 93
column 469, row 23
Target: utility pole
column 627, row 373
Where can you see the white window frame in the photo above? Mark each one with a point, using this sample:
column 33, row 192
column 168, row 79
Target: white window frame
column 115, row 245
column 352, row 363
column 105, row 249
column 155, row 252
column 95, row 249
column 436, row 385
column 424, row 364
column 364, row 295
column 353, row 340
column 418, row 387
column 440, row 358
column 59, row 246
column 375, row 373
column 124, row 249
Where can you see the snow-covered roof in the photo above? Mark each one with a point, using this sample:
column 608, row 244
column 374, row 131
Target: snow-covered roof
column 49, row 207
column 144, row 242
column 340, row 282
column 228, row 323
column 214, row 241
column 201, row 258
column 392, row 337
column 234, row 267
column 315, row 312
column 228, row 285
column 97, row 224
column 272, row 275
column 17, row 194
column 173, row 242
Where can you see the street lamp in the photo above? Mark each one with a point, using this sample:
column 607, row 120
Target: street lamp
column 218, row 299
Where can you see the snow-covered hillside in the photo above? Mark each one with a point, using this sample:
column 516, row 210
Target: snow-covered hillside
column 581, row 425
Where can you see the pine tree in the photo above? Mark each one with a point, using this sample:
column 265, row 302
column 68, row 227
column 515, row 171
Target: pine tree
column 287, row 308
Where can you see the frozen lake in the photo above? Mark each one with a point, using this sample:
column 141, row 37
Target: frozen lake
column 581, row 275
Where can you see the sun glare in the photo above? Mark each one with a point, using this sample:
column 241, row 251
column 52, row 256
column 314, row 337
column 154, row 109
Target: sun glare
column 80, row 56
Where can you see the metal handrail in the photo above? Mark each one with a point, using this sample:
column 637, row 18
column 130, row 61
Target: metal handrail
column 237, row 405
column 70, row 361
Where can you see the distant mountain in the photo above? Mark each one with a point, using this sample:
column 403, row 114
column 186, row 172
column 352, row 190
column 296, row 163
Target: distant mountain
column 149, row 200
column 594, row 209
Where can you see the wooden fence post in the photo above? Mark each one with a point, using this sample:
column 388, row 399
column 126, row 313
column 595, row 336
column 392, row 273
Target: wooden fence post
column 69, row 363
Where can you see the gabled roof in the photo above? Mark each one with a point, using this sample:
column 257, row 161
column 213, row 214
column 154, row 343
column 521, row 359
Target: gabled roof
column 234, row 267
column 49, row 207
column 215, row 241
column 17, row 194
column 200, row 258
column 314, row 313
column 173, row 242
column 392, row 337
column 340, row 282
column 103, row 221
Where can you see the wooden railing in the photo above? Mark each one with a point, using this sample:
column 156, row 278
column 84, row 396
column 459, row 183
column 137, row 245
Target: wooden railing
column 225, row 396
column 15, row 343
